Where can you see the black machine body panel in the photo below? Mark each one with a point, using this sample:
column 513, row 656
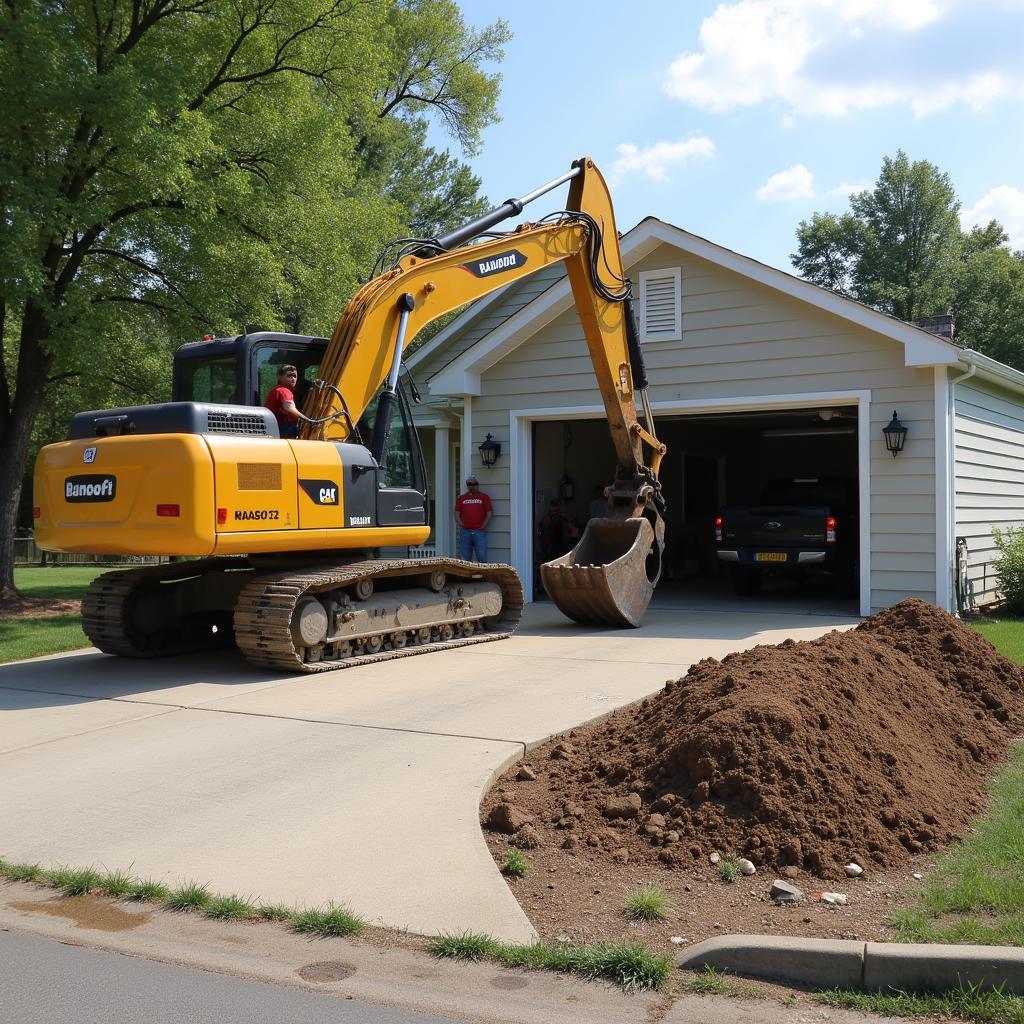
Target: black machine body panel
column 359, row 483
column 174, row 418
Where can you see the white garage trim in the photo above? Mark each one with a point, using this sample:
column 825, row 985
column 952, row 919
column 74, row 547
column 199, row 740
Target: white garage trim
column 521, row 469
column 943, row 492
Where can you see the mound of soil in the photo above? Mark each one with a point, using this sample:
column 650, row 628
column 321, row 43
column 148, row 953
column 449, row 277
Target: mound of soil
column 870, row 746
column 22, row 606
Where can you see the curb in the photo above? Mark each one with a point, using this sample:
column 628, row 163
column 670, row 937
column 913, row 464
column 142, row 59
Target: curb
column 871, row 966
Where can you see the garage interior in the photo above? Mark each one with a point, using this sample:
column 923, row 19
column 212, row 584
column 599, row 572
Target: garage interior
column 713, row 461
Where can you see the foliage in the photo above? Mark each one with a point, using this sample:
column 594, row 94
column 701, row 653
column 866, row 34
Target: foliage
column 189, row 897
column 1010, row 567
column 901, row 249
column 967, row 1002
column 728, row 869
column 74, row 881
column 463, row 946
column 230, row 908
column 648, row 903
column 170, row 168
column 516, row 864
column 22, row 872
column 117, row 883
column 327, row 921
column 710, row 982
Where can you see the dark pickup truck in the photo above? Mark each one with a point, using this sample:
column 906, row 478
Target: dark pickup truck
column 804, row 526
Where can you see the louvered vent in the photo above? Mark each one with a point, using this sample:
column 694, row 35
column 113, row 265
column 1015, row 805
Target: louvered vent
column 660, row 299
column 235, row 423
column 259, row 476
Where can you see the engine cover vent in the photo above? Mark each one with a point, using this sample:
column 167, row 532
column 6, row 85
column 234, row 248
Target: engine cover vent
column 218, row 422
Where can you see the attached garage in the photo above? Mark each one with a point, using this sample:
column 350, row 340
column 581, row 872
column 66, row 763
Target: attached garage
column 755, row 376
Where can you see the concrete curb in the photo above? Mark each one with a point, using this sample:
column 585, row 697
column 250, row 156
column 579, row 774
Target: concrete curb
column 860, row 965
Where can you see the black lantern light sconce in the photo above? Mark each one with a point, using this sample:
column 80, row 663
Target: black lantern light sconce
column 566, row 488
column 895, row 434
column 489, row 451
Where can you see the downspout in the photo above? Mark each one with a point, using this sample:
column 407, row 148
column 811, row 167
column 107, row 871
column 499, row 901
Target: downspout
column 951, row 441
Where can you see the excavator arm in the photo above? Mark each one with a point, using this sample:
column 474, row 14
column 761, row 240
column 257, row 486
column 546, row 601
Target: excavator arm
column 610, row 575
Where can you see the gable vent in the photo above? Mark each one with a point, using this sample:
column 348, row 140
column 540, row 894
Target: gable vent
column 661, row 317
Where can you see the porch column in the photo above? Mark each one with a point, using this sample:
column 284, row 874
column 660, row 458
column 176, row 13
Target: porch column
column 443, row 504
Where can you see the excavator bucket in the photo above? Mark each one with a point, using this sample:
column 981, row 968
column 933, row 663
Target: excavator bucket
column 609, row 577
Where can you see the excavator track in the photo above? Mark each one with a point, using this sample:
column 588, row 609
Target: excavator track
column 109, row 602
column 134, row 613
column 267, row 606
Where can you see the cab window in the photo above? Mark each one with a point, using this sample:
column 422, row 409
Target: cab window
column 270, row 359
column 209, row 380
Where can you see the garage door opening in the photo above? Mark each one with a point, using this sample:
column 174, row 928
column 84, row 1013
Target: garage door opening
column 714, row 462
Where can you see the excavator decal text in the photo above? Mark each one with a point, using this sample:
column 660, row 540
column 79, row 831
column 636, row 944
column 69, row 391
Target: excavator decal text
column 511, row 260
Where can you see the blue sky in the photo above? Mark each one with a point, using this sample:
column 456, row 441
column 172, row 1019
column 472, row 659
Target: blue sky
column 736, row 120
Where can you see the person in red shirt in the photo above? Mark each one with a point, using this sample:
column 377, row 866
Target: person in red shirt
column 473, row 511
column 281, row 401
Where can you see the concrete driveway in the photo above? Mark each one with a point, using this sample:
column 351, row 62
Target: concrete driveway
column 360, row 786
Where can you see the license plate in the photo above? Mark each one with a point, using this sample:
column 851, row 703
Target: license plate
column 770, row 556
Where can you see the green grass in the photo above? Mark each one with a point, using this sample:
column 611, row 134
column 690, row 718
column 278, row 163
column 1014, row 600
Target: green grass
column 21, row 872
column 964, row 1003
column 631, row 965
column 1006, row 635
column 74, row 881
column 149, row 891
column 713, row 983
column 728, row 870
column 516, row 864
column 46, row 634
column 230, row 908
column 648, row 903
column 273, row 912
column 327, row 921
column 189, row 898
column 56, row 580
column 117, row 883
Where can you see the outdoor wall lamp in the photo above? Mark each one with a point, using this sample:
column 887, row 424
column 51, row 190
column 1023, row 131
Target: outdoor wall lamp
column 489, row 451
column 895, row 434
column 566, row 488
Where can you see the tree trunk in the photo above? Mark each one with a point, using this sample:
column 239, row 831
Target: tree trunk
column 16, row 433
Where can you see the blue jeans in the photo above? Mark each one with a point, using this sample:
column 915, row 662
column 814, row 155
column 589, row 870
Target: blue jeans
column 470, row 540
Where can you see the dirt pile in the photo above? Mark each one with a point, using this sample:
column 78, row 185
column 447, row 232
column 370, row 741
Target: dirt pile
column 867, row 745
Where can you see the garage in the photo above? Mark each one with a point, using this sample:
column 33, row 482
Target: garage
column 715, row 461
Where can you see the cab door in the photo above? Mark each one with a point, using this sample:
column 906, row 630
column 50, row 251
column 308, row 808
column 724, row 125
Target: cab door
column 402, row 478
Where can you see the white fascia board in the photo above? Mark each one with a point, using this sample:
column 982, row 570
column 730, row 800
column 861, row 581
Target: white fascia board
column 454, row 383
column 993, row 370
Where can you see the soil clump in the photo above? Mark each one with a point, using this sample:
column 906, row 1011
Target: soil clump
column 871, row 746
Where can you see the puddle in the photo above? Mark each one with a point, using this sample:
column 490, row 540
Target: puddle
column 324, row 972
column 88, row 912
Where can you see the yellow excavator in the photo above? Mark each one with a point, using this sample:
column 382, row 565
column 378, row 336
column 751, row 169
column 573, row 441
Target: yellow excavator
column 276, row 542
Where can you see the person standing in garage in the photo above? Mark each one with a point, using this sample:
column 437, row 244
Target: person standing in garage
column 473, row 511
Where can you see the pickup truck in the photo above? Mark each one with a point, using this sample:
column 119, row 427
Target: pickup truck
column 803, row 526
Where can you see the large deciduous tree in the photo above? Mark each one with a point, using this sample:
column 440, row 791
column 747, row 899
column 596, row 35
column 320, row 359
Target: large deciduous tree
column 901, row 248
column 174, row 167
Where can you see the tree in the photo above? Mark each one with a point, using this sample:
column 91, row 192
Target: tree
column 170, row 168
column 901, row 249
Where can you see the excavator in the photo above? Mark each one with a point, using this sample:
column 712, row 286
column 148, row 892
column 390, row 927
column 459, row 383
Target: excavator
column 280, row 545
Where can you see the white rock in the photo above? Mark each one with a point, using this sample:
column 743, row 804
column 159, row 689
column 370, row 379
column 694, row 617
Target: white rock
column 853, row 870
column 677, row 940
column 746, row 866
column 715, row 857
column 837, row 899
column 917, row 875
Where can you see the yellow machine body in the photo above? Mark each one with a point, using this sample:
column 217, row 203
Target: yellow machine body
column 198, row 495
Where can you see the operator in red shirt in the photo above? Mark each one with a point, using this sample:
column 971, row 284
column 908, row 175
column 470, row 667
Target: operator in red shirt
column 473, row 511
column 281, row 401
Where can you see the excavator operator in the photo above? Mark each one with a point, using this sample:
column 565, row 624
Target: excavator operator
column 281, row 401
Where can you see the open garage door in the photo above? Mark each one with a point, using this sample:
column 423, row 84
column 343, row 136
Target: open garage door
column 714, row 461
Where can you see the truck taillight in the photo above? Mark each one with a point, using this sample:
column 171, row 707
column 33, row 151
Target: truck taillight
column 172, row 511
column 830, row 530
column 719, row 529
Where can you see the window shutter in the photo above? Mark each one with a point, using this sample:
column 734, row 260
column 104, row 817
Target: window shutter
column 661, row 316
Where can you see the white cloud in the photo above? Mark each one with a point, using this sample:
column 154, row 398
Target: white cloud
column 653, row 162
column 797, row 182
column 1004, row 203
column 847, row 188
column 829, row 57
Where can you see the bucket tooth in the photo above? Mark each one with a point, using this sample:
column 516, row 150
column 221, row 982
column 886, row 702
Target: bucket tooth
column 610, row 576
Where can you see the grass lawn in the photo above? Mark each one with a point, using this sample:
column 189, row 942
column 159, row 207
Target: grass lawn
column 50, row 634
column 56, row 580
column 46, row 634
column 976, row 892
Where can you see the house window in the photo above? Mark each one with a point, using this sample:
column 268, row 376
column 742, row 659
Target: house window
column 661, row 305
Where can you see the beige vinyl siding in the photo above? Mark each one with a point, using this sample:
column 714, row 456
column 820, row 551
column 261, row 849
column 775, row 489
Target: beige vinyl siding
column 742, row 339
column 989, row 453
